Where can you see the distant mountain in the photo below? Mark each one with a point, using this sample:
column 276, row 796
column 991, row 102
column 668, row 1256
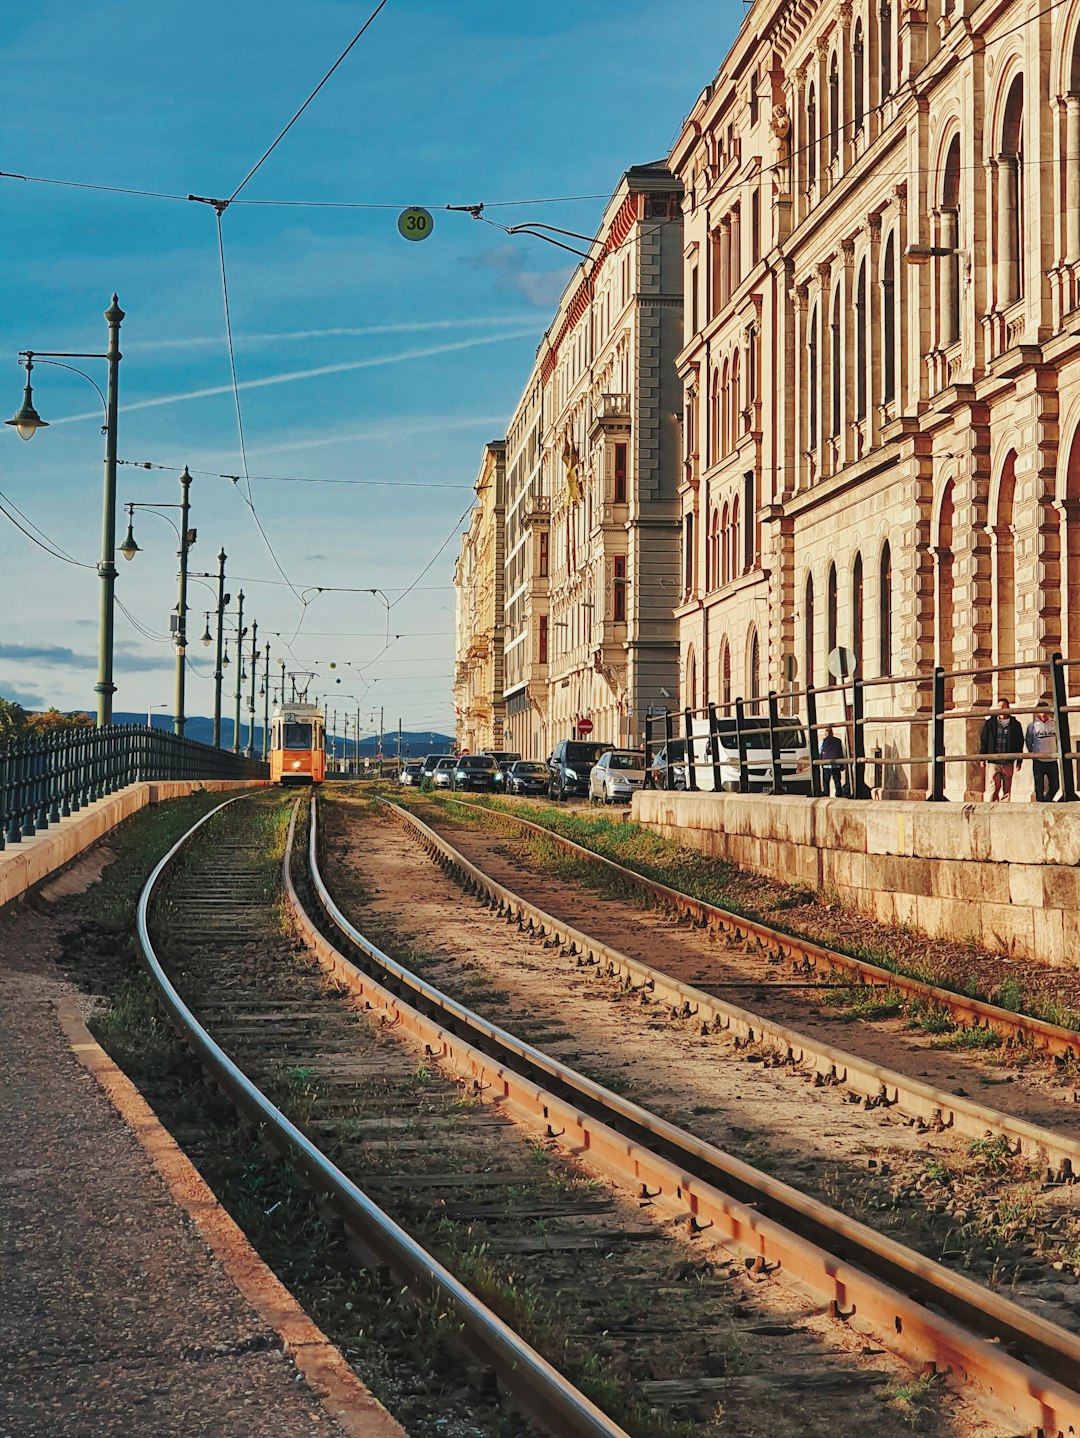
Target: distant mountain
column 413, row 742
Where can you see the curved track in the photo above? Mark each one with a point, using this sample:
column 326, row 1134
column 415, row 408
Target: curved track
column 931, row 1317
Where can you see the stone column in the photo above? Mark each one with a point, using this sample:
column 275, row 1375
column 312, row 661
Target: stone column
column 798, row 394
column 872, row 420
column 1008, row 261
column 848, row 357
column 1072, row 178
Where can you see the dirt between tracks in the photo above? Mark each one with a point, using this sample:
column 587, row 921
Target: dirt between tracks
column 970, row 1205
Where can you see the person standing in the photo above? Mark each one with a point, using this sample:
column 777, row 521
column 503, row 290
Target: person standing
column 1041, row 740
column 832, row 752
column 1001, row 734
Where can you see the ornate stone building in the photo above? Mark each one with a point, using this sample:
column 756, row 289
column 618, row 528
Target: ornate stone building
column 881, row 366
column 478, row 589
column 528, row 556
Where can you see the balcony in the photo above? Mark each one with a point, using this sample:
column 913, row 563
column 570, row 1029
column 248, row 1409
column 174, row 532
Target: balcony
column 611, row 415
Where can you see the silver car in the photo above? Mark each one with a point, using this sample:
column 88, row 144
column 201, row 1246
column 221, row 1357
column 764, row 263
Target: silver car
column 616, row 775
column 443, row 773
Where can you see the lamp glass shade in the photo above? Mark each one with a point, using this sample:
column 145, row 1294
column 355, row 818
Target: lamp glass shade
column 225, row 661
column 207, row 638
column 26, row 421
column 129, row 549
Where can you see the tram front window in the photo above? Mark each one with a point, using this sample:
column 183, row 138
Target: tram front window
column 297, row 736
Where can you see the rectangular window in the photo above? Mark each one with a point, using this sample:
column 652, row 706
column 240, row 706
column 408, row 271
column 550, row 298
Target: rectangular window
column 620, row 474
column 543, row 556
column 619, row 585
column 753, row 98
column 755, row 226
column 543, row 659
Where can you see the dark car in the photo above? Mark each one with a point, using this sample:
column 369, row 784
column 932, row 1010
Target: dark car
column 569, row 767
column 430, row 763
column 527, row 776
column 658, row 775
column 476, row 771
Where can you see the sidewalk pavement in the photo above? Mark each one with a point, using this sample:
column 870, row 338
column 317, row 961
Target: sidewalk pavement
column 115, row 1316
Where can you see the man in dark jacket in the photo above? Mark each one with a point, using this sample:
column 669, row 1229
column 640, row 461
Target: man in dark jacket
column 1001, row 734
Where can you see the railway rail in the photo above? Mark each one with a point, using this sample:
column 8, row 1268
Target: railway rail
column 929, row 1316
column 804, row 955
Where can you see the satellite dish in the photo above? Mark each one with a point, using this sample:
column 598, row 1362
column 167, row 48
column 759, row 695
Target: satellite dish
column 841, row 662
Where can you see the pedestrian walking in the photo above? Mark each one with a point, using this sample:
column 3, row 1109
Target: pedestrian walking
column 1001, row 734
column 832, row 752
column 1041, row 738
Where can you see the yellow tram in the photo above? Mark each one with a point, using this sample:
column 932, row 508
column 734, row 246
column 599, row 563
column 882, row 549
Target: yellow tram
column 297, row 744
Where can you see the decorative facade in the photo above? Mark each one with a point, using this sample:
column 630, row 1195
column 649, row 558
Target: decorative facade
column 478, row 587
column 528, row 560
column 881, row 359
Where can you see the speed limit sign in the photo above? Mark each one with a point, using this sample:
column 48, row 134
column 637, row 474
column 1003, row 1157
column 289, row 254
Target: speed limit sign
column 415, row 223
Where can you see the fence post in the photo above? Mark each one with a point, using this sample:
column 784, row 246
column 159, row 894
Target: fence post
column 859, row 787
column 714, row 751
column 740, row 739
column 812, row 742
column 774, row 745
column 691, row 761
column 669, row 739
column 1061, row 725
column 937, row 740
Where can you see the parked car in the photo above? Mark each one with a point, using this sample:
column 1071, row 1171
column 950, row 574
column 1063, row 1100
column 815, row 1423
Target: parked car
column 569, row 766
column 659, row 766
column 794, row 756
column 411, row 772
column 429, row 762
column 527, row 776
column 476, row 771
column 442, row 776
column 616, row 775
column 503, row 757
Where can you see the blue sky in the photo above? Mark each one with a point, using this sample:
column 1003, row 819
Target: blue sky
column 428, row 345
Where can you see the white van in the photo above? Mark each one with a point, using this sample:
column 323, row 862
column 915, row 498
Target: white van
column 794, row 755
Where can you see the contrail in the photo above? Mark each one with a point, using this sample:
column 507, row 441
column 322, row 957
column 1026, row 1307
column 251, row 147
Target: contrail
column 382, row 431
column 339, row 332
column 290, row 375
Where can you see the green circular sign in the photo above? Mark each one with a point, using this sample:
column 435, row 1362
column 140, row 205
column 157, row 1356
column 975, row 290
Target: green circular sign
column 415, row 223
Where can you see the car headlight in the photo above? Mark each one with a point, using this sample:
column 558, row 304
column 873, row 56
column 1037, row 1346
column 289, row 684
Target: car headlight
column 571, row 773
column 498, row 776
column 459, row 773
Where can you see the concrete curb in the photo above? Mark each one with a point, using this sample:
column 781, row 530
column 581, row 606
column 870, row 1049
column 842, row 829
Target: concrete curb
column 340, row 1393
column 26, row 864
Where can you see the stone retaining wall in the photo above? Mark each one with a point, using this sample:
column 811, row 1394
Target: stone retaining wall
column 26, row 864
column 1002, row 876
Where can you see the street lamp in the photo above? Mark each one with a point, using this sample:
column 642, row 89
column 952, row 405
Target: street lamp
column 240, row 632
column 251, row 696
column 26, row 423
column 129, row 549
column 149, row 712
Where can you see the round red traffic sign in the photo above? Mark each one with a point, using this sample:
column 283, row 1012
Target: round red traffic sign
column 584, row 726
column 463, row 753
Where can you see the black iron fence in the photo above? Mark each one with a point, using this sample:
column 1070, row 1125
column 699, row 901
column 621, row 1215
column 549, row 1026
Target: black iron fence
column 45, row 780
column 773, row 744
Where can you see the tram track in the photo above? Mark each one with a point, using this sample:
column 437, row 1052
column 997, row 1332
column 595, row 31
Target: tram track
column 747, row 1219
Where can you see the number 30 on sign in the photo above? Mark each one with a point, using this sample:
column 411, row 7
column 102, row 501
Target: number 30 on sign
column 415, row 223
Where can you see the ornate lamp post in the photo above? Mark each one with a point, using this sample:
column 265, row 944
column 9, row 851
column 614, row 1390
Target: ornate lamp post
column 27, row 422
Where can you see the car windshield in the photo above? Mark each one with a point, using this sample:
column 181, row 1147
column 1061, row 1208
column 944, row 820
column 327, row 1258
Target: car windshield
column 756, row 730
column 527, row 766
column 627, row 760
column 297, row 736
column 446, row 763
column 477, row 761
column 584, row 753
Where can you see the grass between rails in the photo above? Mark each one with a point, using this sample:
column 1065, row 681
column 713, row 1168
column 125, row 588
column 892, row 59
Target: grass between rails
column 747, row 896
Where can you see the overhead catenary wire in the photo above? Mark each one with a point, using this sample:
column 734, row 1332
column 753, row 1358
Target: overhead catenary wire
column 44, row 542
column 292, row 478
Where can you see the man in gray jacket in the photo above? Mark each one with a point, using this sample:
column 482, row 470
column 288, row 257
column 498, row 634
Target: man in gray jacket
column 1041, row 740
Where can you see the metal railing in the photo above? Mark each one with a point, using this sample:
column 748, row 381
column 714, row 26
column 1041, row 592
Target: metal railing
column 700, row 754
column 45, row 780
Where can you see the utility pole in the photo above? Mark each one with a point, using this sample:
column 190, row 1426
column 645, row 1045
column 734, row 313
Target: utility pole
column 222, row 600
column 251, row 697
column 239, row 668
column 399, row 743
column 281, row 696
column 266, row 705
column 186, row 539
column 381, row 731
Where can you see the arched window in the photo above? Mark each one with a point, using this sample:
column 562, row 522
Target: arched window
column 1070, row 549
column 725, row 675
column 808, row 631
column 725, row 410
column 1010, row 198
column 885, row 611
column 735, row 563
column 950, row 241
column 753, row 673
column 885, row 46
column 835, row 369
column 831, row 612
column 813, row 380
column 834, row 107
column 712, row 578
column 857, row 611
column 859, row 66
column 736, row 406
column 688, row 554
column 1072, row 157
column 862, row 357
column 1005, row 576
column 691, row 678
column 944, row 558
column 888, row 321
column 725, row 573
column 811, row 137
column 715, row 449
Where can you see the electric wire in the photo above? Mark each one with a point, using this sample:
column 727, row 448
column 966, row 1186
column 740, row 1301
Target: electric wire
column 294, row 478
column 57, row 550
column 416, row 582
column 138, row 625
column 47, row 547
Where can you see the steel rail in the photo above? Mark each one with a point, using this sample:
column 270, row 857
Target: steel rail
column 536, row 1384
column 1051, row 1037
column 927, row 1314
column 925, row 1104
